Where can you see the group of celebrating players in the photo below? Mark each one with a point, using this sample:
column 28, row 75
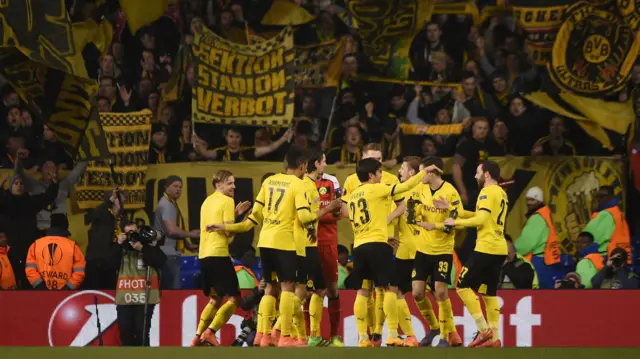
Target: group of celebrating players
column 415, row 216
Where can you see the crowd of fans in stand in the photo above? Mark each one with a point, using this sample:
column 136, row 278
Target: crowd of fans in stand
column 492, row 68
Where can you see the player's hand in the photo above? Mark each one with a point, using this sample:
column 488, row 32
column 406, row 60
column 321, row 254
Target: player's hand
column 441, row 203
column 335, row 204
column 450, row 222
column 427, row 226
column 433, row 168
column 339, row 164
column 193, row 247
column 242, row 207
column 394, row 242
column 121, row 238
column 137, row 246
column 194, row 233
column 215, row 227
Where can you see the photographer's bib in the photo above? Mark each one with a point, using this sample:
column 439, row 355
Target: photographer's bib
column 131, row 289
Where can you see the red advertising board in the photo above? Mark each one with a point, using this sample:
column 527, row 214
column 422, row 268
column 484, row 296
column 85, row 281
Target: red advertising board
column 542, row 318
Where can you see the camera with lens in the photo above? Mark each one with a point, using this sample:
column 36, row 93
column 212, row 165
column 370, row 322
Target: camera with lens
column 567, row 284
column 617, row 261
column 144, row 235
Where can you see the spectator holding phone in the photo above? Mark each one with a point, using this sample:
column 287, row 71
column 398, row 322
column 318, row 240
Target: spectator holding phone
column 615, row 275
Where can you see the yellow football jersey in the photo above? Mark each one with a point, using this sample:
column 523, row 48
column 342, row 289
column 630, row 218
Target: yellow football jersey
column 411, row 234
column 314, row 203
column 369, row 206
column 494, row 200
column 437, row 241
column 283, row 201
column 352, row 182
column 217, row 208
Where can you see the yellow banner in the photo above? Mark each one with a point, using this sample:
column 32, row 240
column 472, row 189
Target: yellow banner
column 569, row 185
column 319, row 65
column 243, row 84
column 594, row 52
column 128, row 136
column 382, row 22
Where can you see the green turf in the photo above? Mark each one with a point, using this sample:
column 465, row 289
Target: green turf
column 315, row 353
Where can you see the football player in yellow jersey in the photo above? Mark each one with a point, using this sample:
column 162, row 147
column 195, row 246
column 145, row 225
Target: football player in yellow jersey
column 397, row 207
column 280, row 203
column 409, row 235
column 219, row 278
column 369, row 207
column 434, row 257
column 481, row 271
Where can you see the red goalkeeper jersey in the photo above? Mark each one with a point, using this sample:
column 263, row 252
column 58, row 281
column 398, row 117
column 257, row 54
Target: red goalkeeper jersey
column 328, row 228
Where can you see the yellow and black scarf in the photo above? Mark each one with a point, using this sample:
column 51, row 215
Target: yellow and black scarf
column 161, row 157
column 349, row 157
column 227, row 154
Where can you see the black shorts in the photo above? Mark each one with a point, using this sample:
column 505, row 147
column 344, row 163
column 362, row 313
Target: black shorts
column 481, row 272
column 372, row 261
column 278, row 265
column 315, row 275
column 431, row 268
column 401, row 278
column 219, row 277
column 301, row 270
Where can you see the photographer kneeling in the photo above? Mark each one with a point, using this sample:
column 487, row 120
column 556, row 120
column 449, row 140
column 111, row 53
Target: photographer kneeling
column 138, row 289
column 615, row 275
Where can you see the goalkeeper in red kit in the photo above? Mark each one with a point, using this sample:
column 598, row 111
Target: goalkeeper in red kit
column 329, row 189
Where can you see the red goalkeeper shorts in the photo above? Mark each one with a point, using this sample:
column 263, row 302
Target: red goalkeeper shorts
column 329, row 260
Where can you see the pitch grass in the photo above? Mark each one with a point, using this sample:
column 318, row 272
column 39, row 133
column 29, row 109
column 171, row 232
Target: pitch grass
column 314, row 353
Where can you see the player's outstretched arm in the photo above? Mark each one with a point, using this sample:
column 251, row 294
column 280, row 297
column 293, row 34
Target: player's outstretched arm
column 399, row 211
column 253, row 220
column 481, row 217
column 408, row 184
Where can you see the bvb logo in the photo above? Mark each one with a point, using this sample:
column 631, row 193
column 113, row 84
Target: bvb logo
column 413, row 274
column 596, row 49
column 594, row 52
column 572, row 185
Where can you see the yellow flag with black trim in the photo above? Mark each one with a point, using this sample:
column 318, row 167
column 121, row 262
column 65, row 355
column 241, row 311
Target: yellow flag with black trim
column 319, row 65
column 141, row 13
column 283, row 13
column 594, row 52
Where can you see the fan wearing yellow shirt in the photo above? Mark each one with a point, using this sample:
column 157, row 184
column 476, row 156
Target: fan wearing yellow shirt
column 434, row 256
column 369, row 208
column 409, row 235
column 397, row 207
column 481, row 271
column 219, row 278
column 279, row 204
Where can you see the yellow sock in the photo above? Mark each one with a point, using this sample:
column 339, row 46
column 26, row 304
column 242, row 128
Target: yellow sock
column 371, row 314
column 278, row 325
column 390, row 304
column 315, row 314
column 472, row 303
column 360, row 312
column 445, row 316
column 493, row 314
column 426, row 310
column 404, row 317
column 206, row 317
column 380, row 311
column 287, row 300
column 268, row 309
column 222, row 316
column 298, row 314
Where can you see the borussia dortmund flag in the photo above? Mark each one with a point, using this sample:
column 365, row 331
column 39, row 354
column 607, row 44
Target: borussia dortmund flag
column 140, row 13
column 173, row 91
column 319, row 65
column 128, row 136
column 540, row 20
column 238, row 84
column 381, row 23
column 42, row 31
column 64, row 101
column 594, row 52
